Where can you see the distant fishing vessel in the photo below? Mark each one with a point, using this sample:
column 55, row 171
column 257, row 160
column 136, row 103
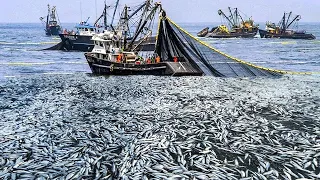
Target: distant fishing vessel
column 80, row 40
column 51, row 21
column 238, row 27
column 283, row 29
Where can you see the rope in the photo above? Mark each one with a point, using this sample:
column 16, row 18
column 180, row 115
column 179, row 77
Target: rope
column 238, row 60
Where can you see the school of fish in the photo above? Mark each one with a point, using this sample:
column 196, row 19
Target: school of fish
column 146, row 127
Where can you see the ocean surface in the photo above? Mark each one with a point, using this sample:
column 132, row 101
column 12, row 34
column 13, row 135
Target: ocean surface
column 21, row 54
column 57, row 120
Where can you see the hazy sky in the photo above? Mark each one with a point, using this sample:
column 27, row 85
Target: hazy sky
column 177, row 10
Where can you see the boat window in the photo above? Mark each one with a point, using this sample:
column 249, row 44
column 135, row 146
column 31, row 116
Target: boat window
column 101, row 44
column 91, row 29
column 107, row 46
column 86, row 29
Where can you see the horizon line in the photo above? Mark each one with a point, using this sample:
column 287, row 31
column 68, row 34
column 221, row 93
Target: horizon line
column 176, row 22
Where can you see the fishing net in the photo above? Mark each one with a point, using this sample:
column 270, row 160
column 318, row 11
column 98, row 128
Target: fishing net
column 173, row 41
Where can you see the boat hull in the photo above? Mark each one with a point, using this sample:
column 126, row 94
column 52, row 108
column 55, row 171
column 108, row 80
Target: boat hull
column 266, row 34
column 204, row 32
column 232, row 35
column 76, row 42
column 53, row 30
column 85, row 44
column 104, row 67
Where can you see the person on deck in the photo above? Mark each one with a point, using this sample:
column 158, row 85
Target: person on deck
column 153, row 60
column 119, row 58
column 158, row 59
column 148, row 61
column 175, row 59
column 65, row 31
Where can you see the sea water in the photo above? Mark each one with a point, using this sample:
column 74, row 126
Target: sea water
column 53, row 111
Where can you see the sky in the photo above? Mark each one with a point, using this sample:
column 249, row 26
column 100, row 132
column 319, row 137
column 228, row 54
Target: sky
column 187, row 11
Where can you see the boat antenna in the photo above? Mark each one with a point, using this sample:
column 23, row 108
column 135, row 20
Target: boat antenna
column 104, row 15
column 81, row 11
column 114, row 12
column 87, row 20
column 58, row 18
column 95, row 3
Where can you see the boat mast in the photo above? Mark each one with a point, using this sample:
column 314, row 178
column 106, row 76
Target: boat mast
column 137, row 10
column 220, row 12
column 53, row 14
column 105, row 15
column 236, row 19
column 283, row 23
column 288, row 19
column 125, row 19
column 147, row 4
column 141, row 27
column 114, row 12
column 232, row 17
column 239, row 15
column 47, row 23
column 293, row 21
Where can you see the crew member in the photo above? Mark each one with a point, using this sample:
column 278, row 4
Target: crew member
column 158, row 59
column 119, row 58
column 152, row 59
column 175, row 59
column 65, row 31
column 148, row 61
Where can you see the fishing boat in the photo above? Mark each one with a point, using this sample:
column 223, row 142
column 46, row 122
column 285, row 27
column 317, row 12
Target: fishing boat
column 176, row 52
column 80, row 40
column 114, row 54
column 51, row 21
column 284, row 29
column 236, row 26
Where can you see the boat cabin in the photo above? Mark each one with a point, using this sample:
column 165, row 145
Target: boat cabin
column 86, row 29
column 53, row 23
column 107, row 46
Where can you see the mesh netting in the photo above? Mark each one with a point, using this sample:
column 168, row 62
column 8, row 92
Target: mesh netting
column 175, row 42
